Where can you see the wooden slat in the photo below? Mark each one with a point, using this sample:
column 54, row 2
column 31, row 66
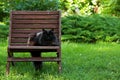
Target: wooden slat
column 35, row 17
column 34, row 26
column 33, row 47
column 24, row 31
column 29, row 31
column 35, row 12
column 18, row 44
column 19, row 40
column 21, row 31
column 27, row 49
column 47, row 59
column 19, row 35
column 35, row 21
column 24, row 35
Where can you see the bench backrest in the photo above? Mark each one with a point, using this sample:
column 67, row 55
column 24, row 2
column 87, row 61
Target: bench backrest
column 23, row 23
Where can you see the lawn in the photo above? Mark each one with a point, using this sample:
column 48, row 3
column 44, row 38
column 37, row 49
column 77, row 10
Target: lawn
column 80, row 61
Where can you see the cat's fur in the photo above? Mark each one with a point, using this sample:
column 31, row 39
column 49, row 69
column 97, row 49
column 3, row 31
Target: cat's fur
column 42, row 38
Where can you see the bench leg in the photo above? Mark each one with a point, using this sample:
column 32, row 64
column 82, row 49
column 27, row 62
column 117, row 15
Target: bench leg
column 10, row 54
column 59, row 67
column 7, row 68
column 59, row 62
column 12, row 61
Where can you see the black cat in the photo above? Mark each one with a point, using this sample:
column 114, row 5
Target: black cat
column 45, row 38
column 42, row 38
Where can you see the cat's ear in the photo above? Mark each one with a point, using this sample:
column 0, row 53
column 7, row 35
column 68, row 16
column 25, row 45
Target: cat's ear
column 43, row 30
column 52, row 30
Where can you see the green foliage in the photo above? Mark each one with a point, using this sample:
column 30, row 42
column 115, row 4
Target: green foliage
column 115, row 10
column 82, row 7
column 91, row 28
column 87, row 7
column 111, row 7
column 80, row 28
column 3, row 31
column 32, row 5
column 2, row 11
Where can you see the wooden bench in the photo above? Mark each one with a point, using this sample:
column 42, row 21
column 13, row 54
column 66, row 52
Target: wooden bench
column 23, row 23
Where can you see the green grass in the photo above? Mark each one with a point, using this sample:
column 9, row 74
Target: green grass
column 80, row 61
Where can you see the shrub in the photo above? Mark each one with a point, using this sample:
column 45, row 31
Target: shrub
column 3, row 31
column 32, row 5
column 2, row 12
column 91, row 28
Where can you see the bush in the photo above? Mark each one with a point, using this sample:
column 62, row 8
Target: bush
column 32, row 5
column 2, row 12
column 85, row 28
column 3, row 31
column 91, row 28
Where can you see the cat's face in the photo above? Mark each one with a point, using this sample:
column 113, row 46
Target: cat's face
column 48, row 35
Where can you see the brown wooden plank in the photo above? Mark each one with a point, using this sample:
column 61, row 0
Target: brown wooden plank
column 19, row 35
column 21, row 31
column 59, row 30
column 35, row 21
column 18, row 44
column 19, row 40
column 25, row 35
column 35, row 12
column 35, row 17
column 34, row 26
column 28, row 31
column 33, row 47
column 18, row 59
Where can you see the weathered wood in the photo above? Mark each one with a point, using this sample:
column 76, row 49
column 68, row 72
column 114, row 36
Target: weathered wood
column 24, row 23
column 34, row 26
column 46, row 59
column 28, row 31
column 38, row 17
column 7, row 67
column 36, row 12
column 19, row 35
column 33, row 47
column 18, row 44
column 35, row 21
column 18, row 40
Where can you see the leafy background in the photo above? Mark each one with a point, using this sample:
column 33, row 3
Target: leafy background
column 79, row 20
